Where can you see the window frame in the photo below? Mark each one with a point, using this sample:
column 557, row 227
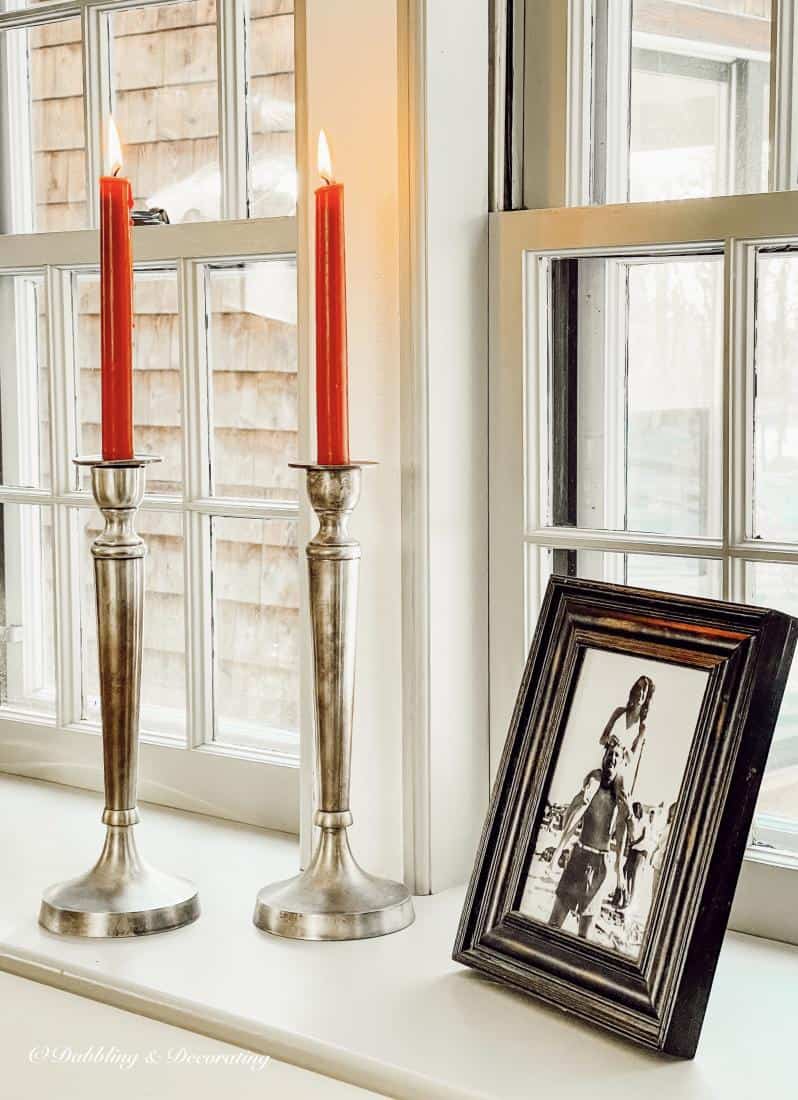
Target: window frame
column 549, row 133
column 257, row 786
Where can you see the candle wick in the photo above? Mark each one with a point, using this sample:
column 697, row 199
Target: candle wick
column 116, row 170
column 327, row 179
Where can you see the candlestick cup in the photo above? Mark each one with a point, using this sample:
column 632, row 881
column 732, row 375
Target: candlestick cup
column 121, row 895
column 334, row 898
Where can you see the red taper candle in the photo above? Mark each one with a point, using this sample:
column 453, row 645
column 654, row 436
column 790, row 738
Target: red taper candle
column 332, row 376
column 116, row 308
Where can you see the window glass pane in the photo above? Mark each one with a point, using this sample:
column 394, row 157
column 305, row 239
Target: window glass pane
column 24, row 382
column 256, row 633
column 635, row 373
column 21, row 5
column 163, row 673
column 699, row 98
column 774, row 585
column 27, row 642
column 776, row 397
column 165, row 104
column 157, row 380
column 660, row 572
column 686, row 576
column 44, row 139
column 270, row 108
column 252, row 354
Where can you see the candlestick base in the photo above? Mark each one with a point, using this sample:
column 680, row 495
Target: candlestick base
column 334, row 899
column 120, row 896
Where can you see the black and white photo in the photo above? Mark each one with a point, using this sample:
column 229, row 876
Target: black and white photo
column 613, row 794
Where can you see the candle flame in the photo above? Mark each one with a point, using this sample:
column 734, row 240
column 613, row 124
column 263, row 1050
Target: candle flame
column 114, row 148
column 325, row 158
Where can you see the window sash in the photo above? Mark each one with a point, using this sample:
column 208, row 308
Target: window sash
column 257, row 785
column 594, row 86
column 232, row 20
column 187, row 247
column 518, row 447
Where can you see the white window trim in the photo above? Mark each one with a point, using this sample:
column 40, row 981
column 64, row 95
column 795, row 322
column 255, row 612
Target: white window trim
column 443, row 445
column 784, row 82
column 16, row 119
column 516, row 395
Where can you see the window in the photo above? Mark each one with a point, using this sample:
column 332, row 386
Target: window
column 643, row 377
column 680, row 98
column 628, row 354
column 203, row 95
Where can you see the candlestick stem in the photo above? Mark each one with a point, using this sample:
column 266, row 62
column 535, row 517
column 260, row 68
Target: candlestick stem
column 334, row 899
column 121, row 895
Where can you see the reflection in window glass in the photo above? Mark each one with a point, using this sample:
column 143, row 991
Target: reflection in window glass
column 157, row 381
column 699, row 98
column 27, row 645
column 673, row 396
column 163, row 672
column 270, row 108
column 636, row 354
column 165, row 104
column 774, row 585
column 252, row 354
column 776, row 397
column 256, row 633
column 24, row 383
column 45, row 150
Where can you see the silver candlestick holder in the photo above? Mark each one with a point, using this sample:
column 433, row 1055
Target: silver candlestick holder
column 121, row 895
column 334, row 898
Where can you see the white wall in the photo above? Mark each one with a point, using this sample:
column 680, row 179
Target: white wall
column 352, row 94
column 401, row 87
column 444, row 116
column 457, row 311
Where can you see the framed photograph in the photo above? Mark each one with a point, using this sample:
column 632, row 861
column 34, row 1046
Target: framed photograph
column 619, row 819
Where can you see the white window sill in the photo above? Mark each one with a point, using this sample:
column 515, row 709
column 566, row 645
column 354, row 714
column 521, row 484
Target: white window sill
column 56, row 1044
column 395, row 1015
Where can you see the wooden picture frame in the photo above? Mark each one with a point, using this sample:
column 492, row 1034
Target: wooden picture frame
column 648, row 978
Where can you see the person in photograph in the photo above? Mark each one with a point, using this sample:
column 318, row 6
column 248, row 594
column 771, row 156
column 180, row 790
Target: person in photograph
column 576, row 808
column 604, row 822
column 639, row 840
column 658, row 852
column 627, row 725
